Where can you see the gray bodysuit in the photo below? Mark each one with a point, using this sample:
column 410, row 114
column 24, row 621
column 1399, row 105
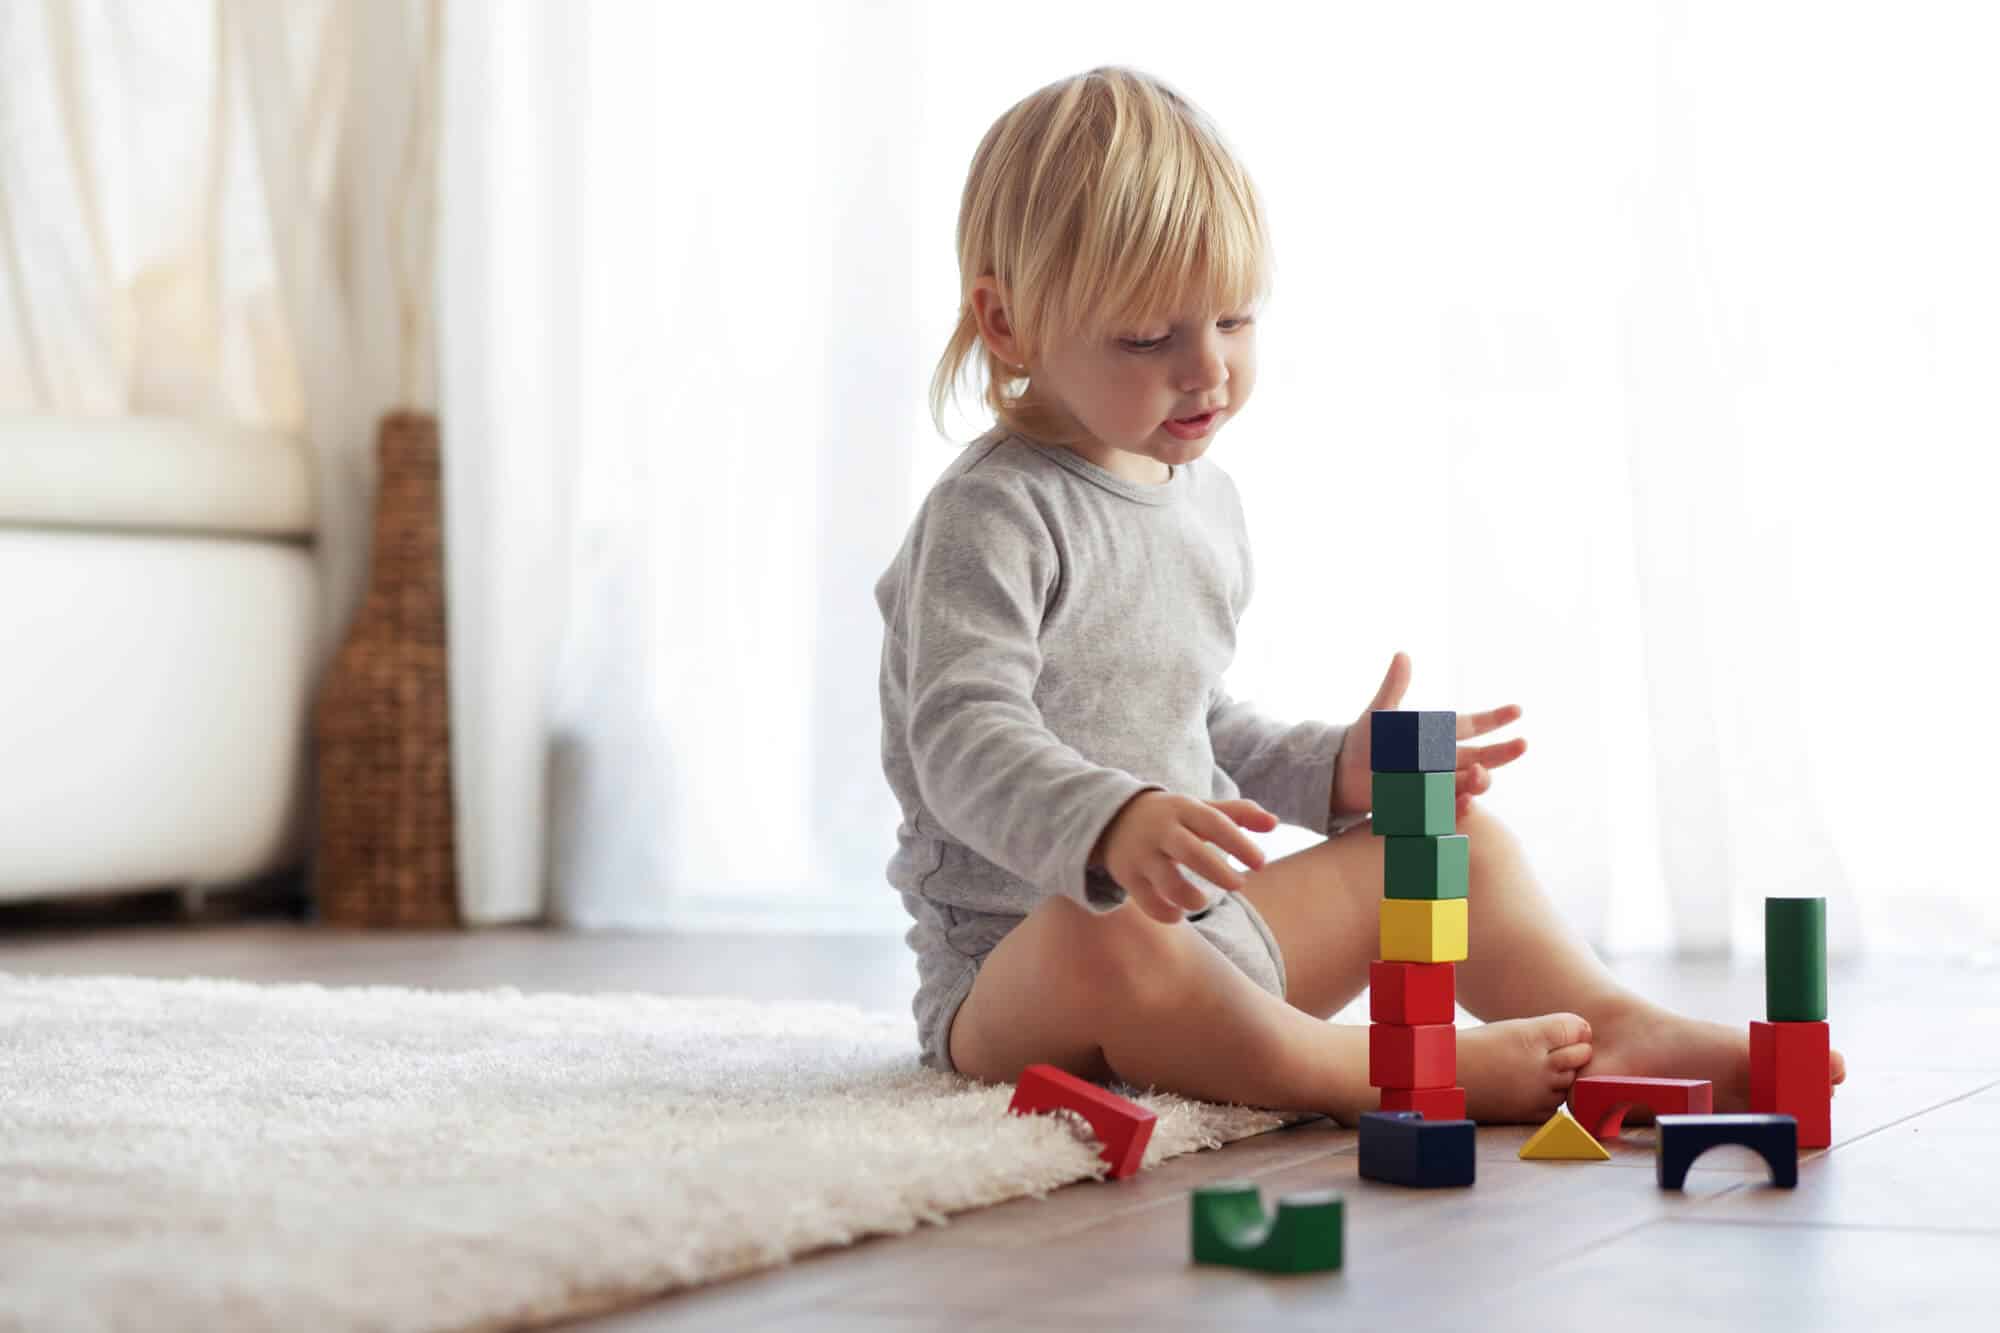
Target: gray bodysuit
column 1054, row 642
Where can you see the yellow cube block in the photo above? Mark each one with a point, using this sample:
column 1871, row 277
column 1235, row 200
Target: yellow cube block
column 1423, row 930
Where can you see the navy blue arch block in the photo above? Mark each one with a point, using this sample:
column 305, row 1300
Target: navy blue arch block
column 1403, row 1148
column 1401, row 741
column 1682, row 1138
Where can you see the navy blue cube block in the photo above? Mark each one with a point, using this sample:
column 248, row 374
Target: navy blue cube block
column 1403, row 1148
column 1400, row 741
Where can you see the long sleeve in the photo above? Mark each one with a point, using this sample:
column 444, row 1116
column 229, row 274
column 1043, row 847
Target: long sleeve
column 983, row 573
column 1285, row 767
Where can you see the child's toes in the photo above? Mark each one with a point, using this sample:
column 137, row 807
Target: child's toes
column 1569, row 1059
column 1558, row 1030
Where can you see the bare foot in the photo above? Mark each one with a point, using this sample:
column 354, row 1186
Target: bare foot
column 1647, row 1041
column 1518, row 1070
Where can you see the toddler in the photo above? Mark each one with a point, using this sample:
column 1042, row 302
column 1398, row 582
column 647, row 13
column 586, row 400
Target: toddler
column 1057, row 624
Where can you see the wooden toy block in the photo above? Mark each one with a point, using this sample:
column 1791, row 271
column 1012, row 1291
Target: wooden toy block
column 1123, row 1128
column 1416, row 930
column 1600, row 1101
column 1415, row 804
column 1430, row 1103
column 1791, row 1073
column 1426, row 868
column 1401, row 1056
column 1412, row 993
column 1404, row 1148
column 1406, row 741
column 1563, row 1140
column 1229, row 1226
column 1795, row 960
column 1686, row 1137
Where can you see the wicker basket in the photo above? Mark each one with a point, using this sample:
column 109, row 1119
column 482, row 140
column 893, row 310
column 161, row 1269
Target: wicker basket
column 381, row 724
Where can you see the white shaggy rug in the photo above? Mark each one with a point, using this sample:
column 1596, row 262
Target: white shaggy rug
column 216, row 1154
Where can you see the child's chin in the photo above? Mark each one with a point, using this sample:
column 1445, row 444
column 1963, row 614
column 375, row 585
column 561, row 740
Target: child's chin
column 1177, row 452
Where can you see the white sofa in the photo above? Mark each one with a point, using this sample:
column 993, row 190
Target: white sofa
column 157, row 604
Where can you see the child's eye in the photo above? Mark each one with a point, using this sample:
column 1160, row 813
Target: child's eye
column 1148, row 344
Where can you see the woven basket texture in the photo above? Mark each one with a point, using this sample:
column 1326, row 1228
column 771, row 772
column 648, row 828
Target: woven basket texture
column 383, row 854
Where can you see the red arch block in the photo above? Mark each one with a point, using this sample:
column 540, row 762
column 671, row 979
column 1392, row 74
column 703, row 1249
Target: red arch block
column 1599, row 1102
column 1123, row 1128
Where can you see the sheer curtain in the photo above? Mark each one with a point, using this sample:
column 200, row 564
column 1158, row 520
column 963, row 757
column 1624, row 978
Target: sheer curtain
column 221, row 209
column 1628, row 362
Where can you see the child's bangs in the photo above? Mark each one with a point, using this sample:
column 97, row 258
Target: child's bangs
column 1207, row 257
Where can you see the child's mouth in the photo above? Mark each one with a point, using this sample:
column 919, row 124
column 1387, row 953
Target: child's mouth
column 1191, row 428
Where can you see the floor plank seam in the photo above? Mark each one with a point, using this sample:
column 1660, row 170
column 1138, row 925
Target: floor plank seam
column 1871, row 1133
column 1807, row 1224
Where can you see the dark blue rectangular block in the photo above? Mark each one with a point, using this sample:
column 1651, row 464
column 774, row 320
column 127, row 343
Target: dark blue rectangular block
column 1401, row 741
column 1402, row 1148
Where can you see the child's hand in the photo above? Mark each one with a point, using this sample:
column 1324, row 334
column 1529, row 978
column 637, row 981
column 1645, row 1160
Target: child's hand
column 1157, row 832
column 1353, row 783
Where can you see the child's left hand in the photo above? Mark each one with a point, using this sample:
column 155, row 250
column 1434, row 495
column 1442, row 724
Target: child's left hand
column 1353, row 780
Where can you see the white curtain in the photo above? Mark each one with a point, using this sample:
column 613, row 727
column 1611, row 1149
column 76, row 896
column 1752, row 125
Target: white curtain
column 1629, row 361
column 224, row 209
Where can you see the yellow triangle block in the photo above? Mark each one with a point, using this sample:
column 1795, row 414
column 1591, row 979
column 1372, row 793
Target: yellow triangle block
column 1563, row 1140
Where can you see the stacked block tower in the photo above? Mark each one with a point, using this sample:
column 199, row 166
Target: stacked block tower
column 1790, row 1052
column 1426, row 863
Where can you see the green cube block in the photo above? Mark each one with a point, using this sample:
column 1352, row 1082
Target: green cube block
column 1229, row 1227
column 1432, row 868
column 1795, row 960
column 1416, row 804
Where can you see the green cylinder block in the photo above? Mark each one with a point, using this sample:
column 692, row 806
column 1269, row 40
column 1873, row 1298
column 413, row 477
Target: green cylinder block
column 1795, row 960
column 1416, row 804
column 1229, row 1227
column 1426, row 867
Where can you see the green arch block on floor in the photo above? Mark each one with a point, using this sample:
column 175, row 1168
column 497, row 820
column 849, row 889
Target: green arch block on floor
column 1230, row 1227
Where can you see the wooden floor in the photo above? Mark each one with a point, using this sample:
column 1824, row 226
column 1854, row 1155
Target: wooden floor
column 1897, row 1226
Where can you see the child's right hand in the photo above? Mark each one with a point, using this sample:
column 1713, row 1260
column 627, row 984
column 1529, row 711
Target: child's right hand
column 1157, row 832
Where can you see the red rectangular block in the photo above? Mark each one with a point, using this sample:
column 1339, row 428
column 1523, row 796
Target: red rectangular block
column 1412, row 994
column 1431, row 1103
column 1407, row 1056
column 1123, row 1128
column 1599, row 1101
column 1791, row 1073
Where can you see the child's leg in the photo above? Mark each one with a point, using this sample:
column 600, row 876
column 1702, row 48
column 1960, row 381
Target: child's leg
column 1324, row 906
column 1524, row 959
column 1156, row 1005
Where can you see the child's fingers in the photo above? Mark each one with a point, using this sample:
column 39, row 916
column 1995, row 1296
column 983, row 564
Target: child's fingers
column 1153, row 905
column 1205, row 861
column 1247, row 813
column 1174, row 887
column 1492, row 756
column 1473, row 781
column 1478, row 724
column 1215, row 825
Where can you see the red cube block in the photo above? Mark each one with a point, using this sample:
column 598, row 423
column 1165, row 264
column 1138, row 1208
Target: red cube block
column 1431, row 1103
column 1791, row 1073
column 1412, row 993
column 1412, row 1056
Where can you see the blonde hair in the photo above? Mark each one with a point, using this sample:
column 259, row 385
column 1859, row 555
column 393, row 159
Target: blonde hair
column 1101, row 200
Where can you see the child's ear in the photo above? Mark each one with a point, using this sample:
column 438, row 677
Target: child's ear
column 989, row 311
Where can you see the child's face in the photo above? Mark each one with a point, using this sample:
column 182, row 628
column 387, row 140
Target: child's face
column 1124, row 388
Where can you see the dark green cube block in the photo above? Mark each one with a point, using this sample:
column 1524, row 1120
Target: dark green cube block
column 1405, row 741
column 1230, row 1227
column 1416, row 804
column 1795, row 960
column 1430, row 868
